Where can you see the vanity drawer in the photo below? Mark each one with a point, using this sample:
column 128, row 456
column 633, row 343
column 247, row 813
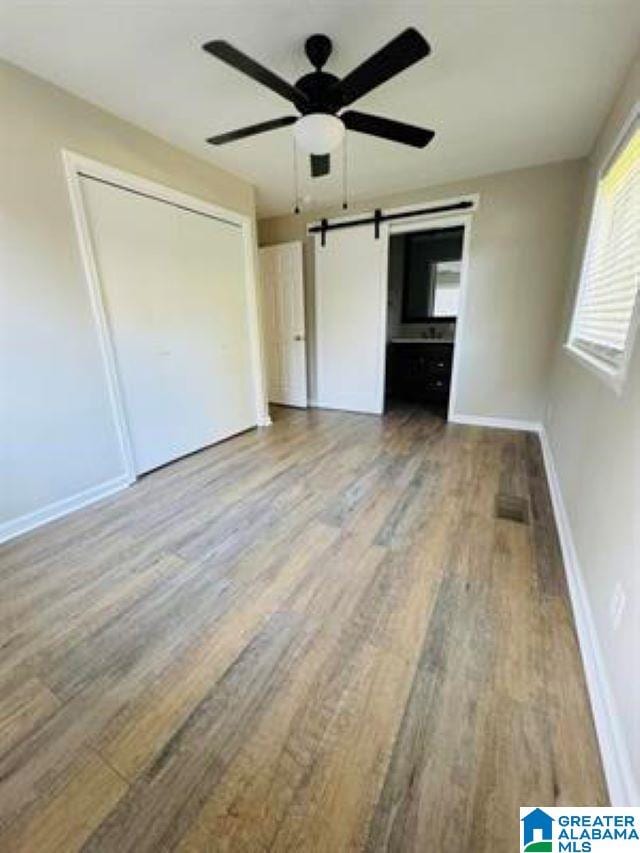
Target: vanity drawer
column 435, row 388
column 419, row 371
column 439, row 365
column 438, row 383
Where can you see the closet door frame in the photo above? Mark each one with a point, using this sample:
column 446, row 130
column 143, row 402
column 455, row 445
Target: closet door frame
column 75, row 167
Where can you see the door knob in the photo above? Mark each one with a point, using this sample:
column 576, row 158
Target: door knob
column 298, row 337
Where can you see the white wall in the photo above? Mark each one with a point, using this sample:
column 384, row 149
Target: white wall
column 57, row 436
column 595, row 440
column 519, row 256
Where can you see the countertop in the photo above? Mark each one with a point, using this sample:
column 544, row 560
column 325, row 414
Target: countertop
column 421, row 341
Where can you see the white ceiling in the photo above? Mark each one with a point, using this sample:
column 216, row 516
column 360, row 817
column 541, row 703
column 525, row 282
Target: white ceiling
column 509, row 83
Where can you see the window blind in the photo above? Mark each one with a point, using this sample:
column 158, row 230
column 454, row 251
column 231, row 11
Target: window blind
column 611, row 270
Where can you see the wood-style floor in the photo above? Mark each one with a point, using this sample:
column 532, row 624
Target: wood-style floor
column 314, row 637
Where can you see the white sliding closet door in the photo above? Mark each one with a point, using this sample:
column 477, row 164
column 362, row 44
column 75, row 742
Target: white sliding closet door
column 173, row 288
column 350, row 290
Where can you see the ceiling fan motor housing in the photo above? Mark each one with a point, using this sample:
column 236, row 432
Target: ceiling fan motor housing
column 323, row 95
column 320, row 87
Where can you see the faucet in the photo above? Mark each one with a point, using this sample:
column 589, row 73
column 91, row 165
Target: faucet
column 432, row 332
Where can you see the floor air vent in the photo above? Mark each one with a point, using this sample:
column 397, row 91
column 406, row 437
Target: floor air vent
column 512, row 508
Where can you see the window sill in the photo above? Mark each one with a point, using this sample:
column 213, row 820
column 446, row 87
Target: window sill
column 610, row 376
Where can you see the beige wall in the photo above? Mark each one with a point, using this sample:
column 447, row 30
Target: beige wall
column 519, row 256
column 595, row 439
column 57, row 437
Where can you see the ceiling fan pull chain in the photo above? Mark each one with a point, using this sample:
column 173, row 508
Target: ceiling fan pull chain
column 345, row 203
column 296, row 190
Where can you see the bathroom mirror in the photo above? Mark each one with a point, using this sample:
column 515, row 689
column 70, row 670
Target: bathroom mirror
column 431, row 276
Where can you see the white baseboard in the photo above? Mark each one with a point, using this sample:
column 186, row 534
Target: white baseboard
column 496, row 423
column 623, row 790
column 367, row 405
column 18, row 526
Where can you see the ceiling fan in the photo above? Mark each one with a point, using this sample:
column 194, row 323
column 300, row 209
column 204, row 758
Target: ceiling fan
column 320, row 97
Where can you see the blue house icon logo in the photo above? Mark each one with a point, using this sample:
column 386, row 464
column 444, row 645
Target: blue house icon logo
column 538, row 832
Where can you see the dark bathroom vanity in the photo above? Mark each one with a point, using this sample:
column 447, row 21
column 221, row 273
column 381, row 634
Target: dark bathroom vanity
column 419, row 370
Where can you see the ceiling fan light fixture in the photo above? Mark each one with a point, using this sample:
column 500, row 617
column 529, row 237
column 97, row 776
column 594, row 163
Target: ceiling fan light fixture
column 319, row 133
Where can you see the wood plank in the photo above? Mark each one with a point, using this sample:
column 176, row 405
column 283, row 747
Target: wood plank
column 22, row 710
column 65, row 820
column 317, row 636
column 149, row 722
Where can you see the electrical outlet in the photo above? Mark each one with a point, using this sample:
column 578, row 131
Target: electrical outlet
column 616, row 608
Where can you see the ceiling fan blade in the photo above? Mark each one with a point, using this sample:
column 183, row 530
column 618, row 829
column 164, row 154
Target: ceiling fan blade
column 320, row 165
column 386, row 128
column 241, row 62
column 251, row 130
column 404, row 50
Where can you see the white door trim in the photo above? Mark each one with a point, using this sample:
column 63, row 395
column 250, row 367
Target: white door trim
column 385, row 234
column 75, row 165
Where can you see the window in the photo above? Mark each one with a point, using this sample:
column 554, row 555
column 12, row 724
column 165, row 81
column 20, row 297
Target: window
column 606, row 310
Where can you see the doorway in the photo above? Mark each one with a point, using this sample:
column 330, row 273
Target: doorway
column 424, row 285
column 353, row 316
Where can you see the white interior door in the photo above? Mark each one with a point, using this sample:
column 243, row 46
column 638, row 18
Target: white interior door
column 350, row 290
column 173, row 288
column 284, row 326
